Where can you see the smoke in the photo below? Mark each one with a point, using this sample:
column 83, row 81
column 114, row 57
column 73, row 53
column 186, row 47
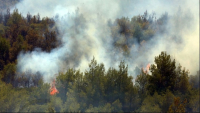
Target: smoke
column 85, row 33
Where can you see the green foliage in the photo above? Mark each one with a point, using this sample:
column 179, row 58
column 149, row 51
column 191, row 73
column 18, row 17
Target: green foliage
column 152, row 103
column 95, row 82
column 64, row 81
column 183, row 84
column 15, row 18
column 18, row 46
column 71, row 104
column 194, row 81
column 105, row 108
column 168, row 98
column 17, row 34
column 194, row 102
column 94, row 90
column 116, row 106
column 142, row 83
column 4, row 52
column 38, row 108
column 55, row 104
column 163, row 74
column 137, row 29
column 177, row 106
column 2, row 29
column 8, row 73
column 11, row 99
column 97, row 91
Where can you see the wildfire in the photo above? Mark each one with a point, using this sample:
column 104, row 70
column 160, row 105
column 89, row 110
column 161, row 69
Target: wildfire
column 53, row 89
column 147, row 68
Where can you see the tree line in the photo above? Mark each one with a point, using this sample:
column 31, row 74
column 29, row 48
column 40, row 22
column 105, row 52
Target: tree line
column 167, row 87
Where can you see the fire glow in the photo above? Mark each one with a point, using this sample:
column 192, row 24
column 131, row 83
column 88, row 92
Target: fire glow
column 53, row 89
column 147, row 68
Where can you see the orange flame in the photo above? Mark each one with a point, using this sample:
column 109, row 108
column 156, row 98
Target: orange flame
column 53, row 89
column 147, row 68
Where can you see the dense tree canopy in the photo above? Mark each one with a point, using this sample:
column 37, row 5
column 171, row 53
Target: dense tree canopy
column 168, row 86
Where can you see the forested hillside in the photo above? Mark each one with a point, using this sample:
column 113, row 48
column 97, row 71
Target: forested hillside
column 166, row 86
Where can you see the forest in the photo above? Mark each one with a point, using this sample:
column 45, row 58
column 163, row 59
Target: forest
column 166, row 87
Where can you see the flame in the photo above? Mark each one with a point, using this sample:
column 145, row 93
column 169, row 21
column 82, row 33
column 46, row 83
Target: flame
column 147, row 68
column 53, row 89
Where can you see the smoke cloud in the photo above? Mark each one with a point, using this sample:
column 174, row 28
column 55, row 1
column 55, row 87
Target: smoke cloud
column 84, row 32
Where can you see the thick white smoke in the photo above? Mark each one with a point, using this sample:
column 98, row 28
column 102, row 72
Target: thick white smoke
column 85, row 33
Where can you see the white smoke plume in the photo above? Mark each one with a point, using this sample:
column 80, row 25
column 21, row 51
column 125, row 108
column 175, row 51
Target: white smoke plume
column 85, row 33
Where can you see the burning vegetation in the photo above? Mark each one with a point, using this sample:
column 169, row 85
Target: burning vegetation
column 67, row 45
column 53, row 89
column 146, row 70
